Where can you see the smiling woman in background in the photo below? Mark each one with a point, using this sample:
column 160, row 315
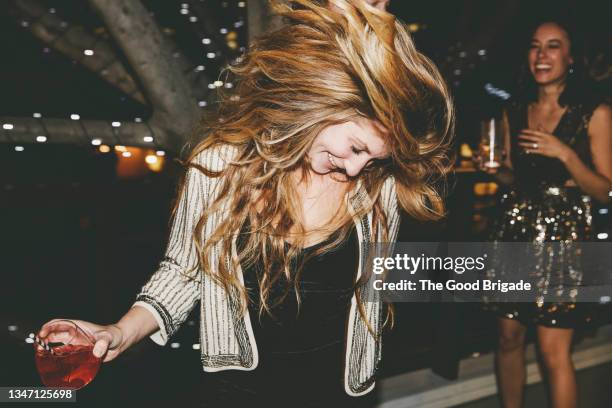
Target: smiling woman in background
column 559, row 144
column 308, row 162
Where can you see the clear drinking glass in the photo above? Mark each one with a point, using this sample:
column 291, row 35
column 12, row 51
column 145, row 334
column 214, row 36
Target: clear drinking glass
column 490, row 149
column 64, row 357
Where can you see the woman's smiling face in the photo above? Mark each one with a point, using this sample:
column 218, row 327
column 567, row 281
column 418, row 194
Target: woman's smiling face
column 348, row 147
column 549, row 54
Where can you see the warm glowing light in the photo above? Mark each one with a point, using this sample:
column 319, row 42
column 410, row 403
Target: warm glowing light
column 126, row 154
column 218, row 83
column 41, row 139
column 482, row 189
column 120, row 148
column 413, row 28
column 465, row 151
column 104, row 149
column 151, row 159
column 160, row 153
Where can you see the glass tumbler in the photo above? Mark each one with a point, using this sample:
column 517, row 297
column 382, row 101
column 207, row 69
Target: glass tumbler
column 64, row 357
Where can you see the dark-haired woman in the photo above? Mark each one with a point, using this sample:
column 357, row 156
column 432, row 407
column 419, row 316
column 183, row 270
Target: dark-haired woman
column 559, row 144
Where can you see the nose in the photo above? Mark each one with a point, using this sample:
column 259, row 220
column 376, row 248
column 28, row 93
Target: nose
column 354, row 165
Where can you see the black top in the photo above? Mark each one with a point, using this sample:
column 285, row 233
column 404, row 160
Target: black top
column 533, row 171
column 301, row 350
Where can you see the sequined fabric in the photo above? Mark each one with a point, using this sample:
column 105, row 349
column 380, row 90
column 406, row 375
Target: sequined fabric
column 557, row 214
column 540, row 209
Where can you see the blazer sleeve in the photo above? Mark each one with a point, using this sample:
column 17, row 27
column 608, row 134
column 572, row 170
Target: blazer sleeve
column 170, row 294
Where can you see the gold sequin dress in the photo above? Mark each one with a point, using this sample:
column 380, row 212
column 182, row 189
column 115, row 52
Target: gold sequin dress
column 540, row 209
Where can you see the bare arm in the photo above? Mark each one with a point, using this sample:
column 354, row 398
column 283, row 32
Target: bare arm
column 598, row 182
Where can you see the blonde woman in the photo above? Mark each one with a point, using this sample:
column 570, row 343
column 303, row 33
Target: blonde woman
column 336, row 124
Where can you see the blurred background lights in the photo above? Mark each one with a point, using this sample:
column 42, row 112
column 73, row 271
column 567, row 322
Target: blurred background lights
column 104, row 149
column 96, row 142
column 75, row 116
column 41, row 139
column 147, row 139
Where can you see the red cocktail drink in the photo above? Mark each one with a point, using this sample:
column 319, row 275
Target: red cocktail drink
column 64, row 357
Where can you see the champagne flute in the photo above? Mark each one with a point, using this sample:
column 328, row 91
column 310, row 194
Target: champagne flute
column 490, row 149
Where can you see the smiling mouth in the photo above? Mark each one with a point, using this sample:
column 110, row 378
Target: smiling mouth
column 543, row 67
column 331, row 160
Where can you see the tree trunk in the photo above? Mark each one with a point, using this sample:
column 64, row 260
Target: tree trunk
column 150, row 56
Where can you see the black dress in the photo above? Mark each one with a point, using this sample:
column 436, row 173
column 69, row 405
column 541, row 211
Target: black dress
column 301, row 350
column 540, row 209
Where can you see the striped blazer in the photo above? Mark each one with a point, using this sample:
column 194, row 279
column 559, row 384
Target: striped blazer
column 226, row 334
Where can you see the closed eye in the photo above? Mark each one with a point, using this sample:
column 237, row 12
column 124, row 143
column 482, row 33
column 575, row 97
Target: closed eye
column 356, row 150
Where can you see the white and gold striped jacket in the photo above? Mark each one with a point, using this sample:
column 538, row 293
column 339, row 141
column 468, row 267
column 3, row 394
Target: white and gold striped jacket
column 226, row 334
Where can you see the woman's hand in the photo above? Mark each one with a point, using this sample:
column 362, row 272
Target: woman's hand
column 545, row 144
column 109, row 339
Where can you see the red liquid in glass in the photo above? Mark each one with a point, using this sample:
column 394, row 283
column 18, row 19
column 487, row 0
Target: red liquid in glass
column 69, row 366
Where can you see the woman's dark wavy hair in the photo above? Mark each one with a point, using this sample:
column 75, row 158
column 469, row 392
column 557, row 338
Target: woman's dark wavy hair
column 578, row 86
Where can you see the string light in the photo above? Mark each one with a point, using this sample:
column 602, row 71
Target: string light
column 41, row 139
column 211, row 86
column 75, row 116
column 223, row 31
column 116, row 124
column 160, row 153
column 36, row 115
column 8, row 126
column 602, row 235
column 89, row 53
column 241, row 4
column 151, row 159
column 19, row 148
column 193, row 19
column 200, row 68
column 148, row 139
column 603, row 211
column 184, row 11
column 126, row 154
column 206, row 41
column 104, row 149
column 218, row 84
column 96, row 142
column 120, row 148
column 138, row 120
column 210, row 55
column 482, row 52
column 202, row 104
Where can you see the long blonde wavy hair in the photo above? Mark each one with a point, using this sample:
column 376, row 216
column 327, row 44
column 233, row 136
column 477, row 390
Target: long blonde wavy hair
column 328, row 64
